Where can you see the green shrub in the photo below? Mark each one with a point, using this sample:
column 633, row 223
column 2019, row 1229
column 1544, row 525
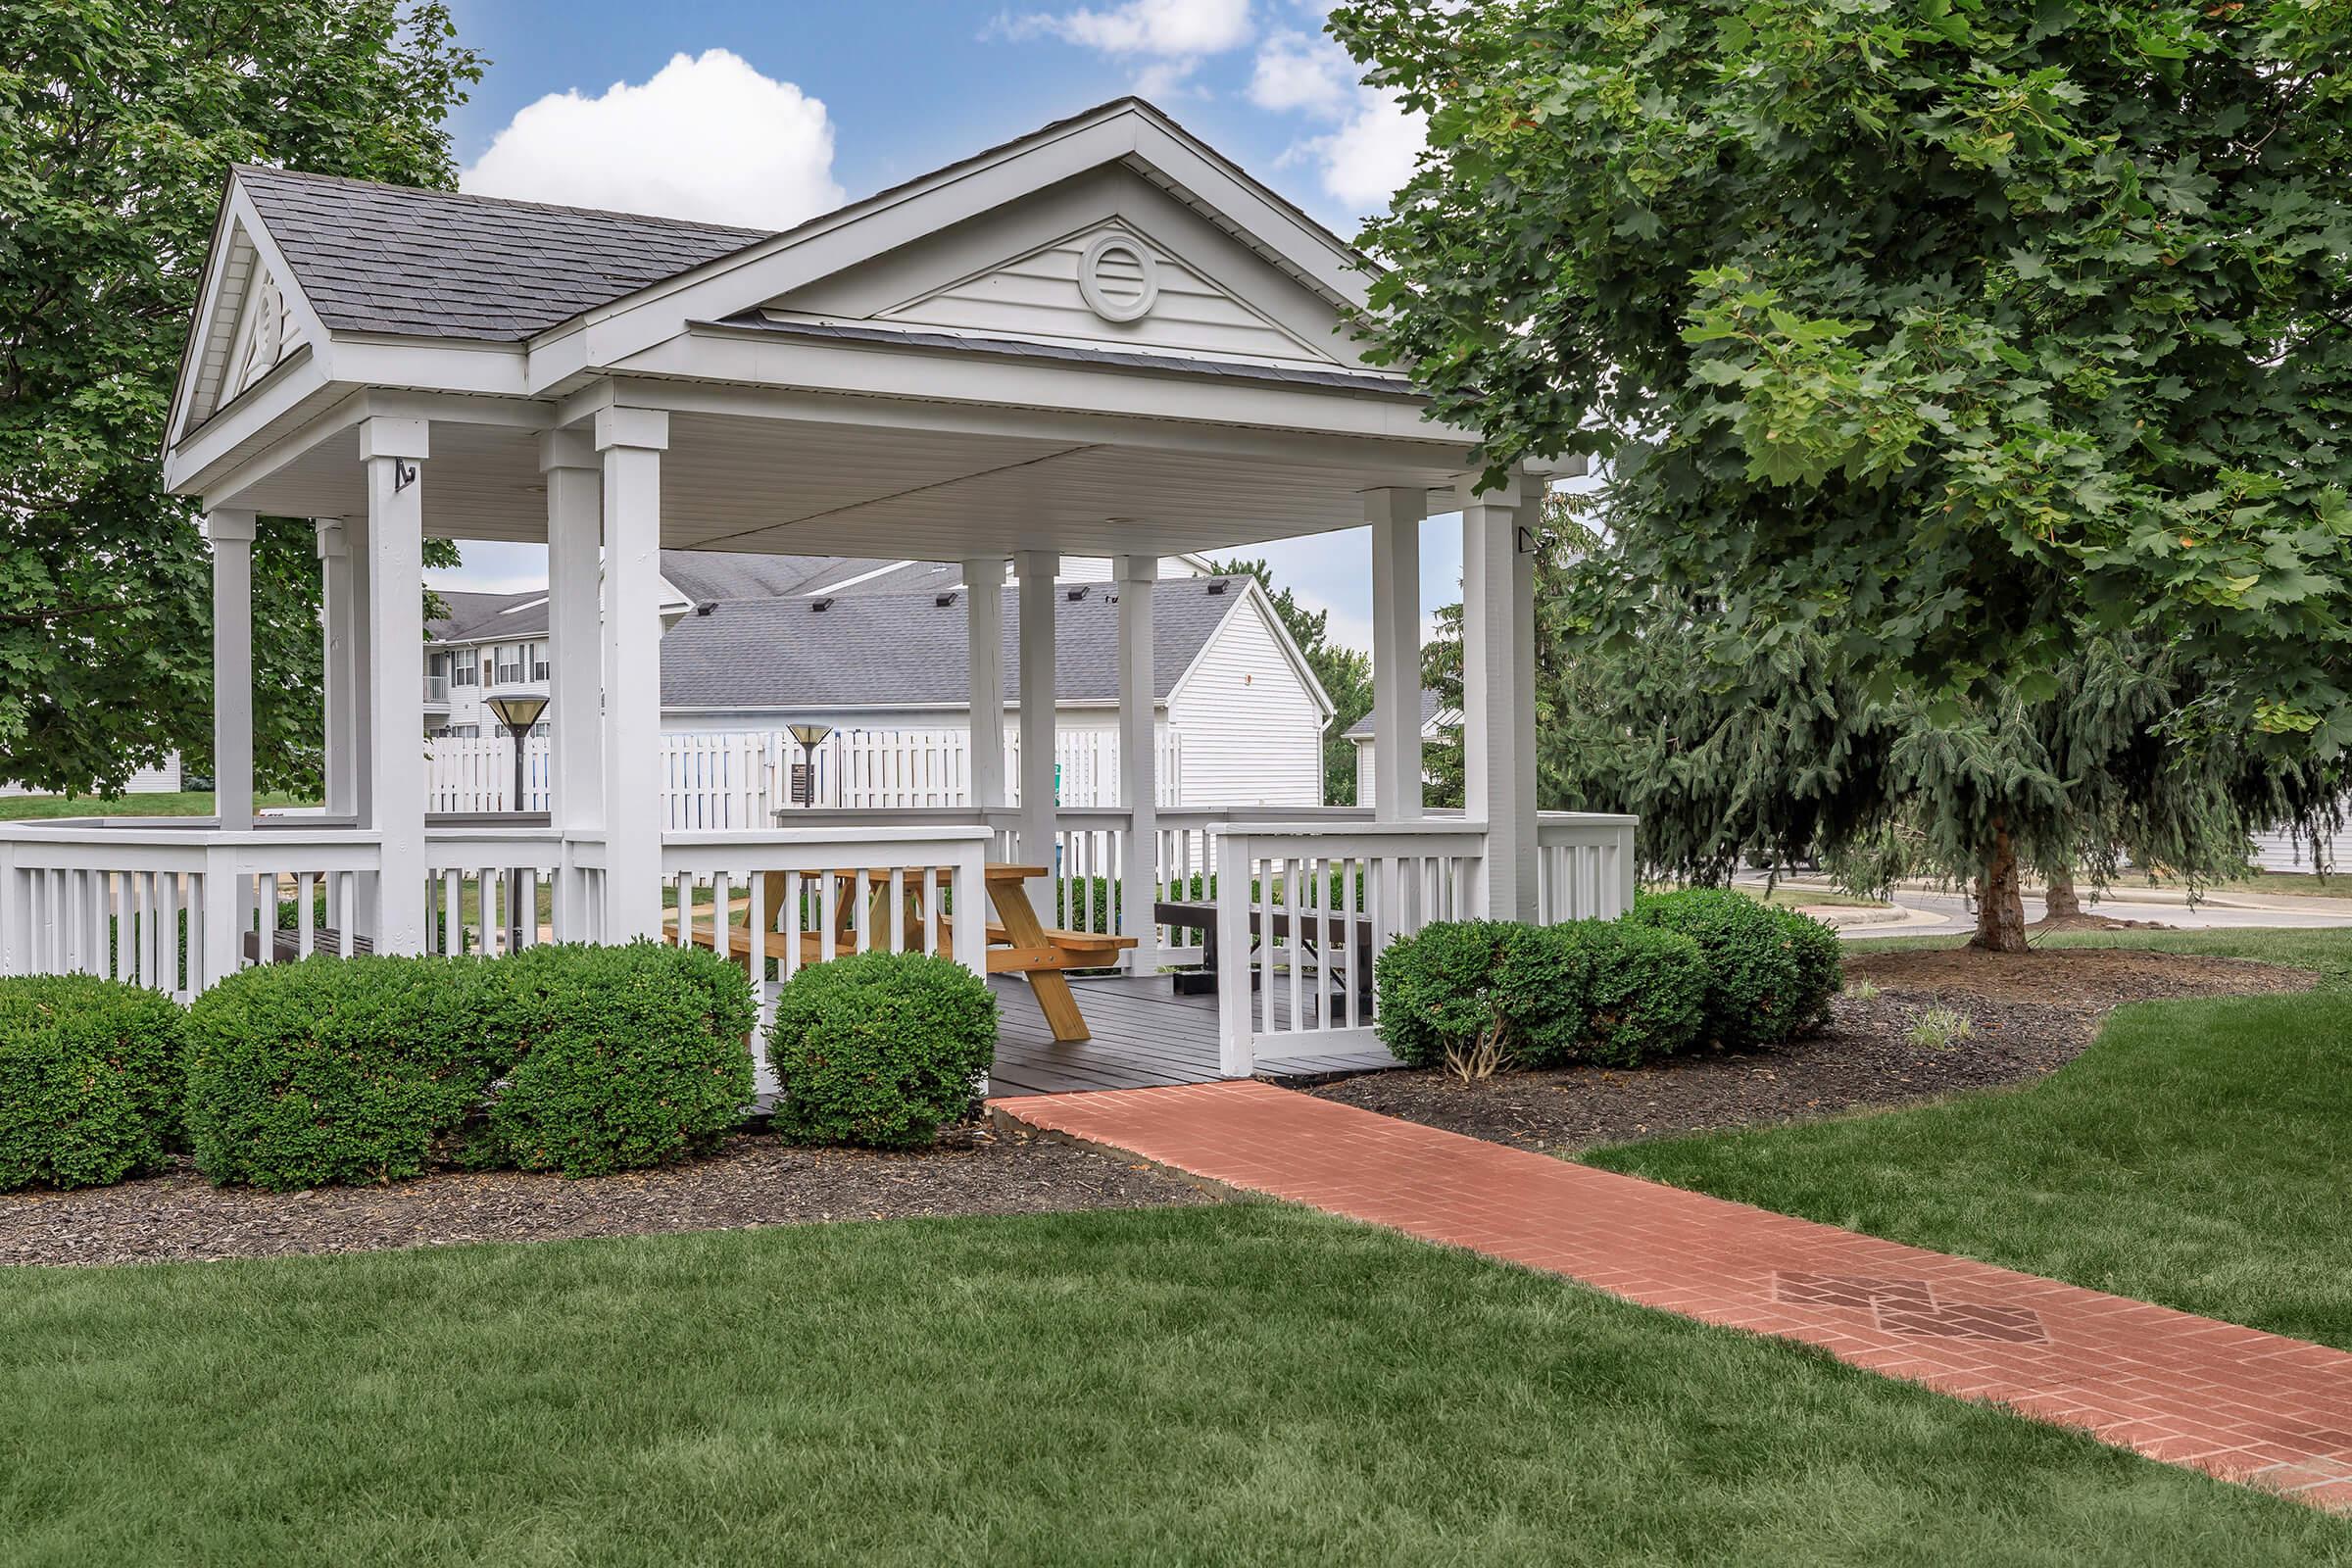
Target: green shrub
column 89, row 1080
column 1472, row 995
column 882, row 1048
column 1642, row 988
column 1770, row 972
column 629, row 1056
column 351, row 1070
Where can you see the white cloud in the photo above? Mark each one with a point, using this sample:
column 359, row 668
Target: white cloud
column 1297, row 72
column 1374, row 142
column 1174, row 29
column 708, row 138
column 1372, row 153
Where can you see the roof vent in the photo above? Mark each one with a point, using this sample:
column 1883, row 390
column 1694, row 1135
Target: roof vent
column 1076, row 593
column 1216, row 585
column 942, row 601
column 821, row 606
column 706, row 607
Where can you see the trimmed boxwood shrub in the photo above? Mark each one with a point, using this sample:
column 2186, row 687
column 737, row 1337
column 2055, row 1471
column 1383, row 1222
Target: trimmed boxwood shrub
column 881, row 1049
column 354, row 1071
column 89, row 1080
column 628, row 1057
column 1770, row 972
column 1641, row 988
column 1475, row 994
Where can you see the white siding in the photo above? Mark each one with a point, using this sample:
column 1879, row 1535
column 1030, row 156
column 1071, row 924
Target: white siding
column 1250, row 729
column 160, row 781
column 1036, row 297
column 1363, row 770
column 2288, row 851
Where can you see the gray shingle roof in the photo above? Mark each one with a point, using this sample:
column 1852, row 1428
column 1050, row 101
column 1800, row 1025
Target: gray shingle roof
column 375, row 258
column 1361, row 729
column 473, row 615
column 903, row 649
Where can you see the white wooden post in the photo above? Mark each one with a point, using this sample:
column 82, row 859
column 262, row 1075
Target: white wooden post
column 576, row 490
column 632, row 441
column 216, row 943
column 1395, row 517
column 338, row 612
column 1237, row 1049
column 16, row 915
column 1139, row 759
column 1500, row 533
column 231, row 536
column 984, row 631
column 393, row 451
column 1038, row 568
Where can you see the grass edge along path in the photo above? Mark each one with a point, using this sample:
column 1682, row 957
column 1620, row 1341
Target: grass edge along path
column 1244, row 1384
column 2194, row 1157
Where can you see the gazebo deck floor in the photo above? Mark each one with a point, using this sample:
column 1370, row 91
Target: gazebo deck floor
column 1145, row 1036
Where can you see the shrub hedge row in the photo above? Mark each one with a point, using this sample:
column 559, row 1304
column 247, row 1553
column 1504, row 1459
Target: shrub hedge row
column 573, row 1059
column 1703, row 966
column 89, row 1081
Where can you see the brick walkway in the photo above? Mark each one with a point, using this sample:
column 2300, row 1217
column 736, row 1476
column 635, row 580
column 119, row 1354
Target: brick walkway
column 2232, row 1402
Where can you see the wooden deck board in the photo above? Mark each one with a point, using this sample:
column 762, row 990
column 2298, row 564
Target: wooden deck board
column 1145, row 1036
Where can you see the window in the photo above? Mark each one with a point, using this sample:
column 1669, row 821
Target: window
column 462, row 672
column 509, row 664
column 538, row 661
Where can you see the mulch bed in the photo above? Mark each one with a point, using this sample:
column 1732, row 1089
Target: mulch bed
column 754, row 1180
column 2033, row 1014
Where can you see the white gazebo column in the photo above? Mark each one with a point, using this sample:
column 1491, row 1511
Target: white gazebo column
column 393, row 452
column 341, row 757
column 632, row 441
column 1396, row 517
column 575, row 662
column 231, row 536
column 1139, row 759
column 984, row 635
column 1039, row 816
column 1498, row 694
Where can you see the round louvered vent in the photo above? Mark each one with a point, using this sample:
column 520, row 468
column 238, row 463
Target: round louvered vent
column 1119, row 279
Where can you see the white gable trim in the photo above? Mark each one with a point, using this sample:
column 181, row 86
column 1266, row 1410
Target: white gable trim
column 1129, row 131
column 242, row 248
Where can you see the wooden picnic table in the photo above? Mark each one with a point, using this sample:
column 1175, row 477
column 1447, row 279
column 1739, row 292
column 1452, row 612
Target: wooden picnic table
column 1019, row 942
column 1324, row 931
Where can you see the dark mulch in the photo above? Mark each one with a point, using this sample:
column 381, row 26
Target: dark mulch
column 2031, row 1015
column 754, row 1180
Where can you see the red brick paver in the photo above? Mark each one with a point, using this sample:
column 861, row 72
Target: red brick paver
column 2232, row 1402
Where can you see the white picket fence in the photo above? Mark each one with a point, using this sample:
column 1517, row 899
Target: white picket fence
column 735, row 780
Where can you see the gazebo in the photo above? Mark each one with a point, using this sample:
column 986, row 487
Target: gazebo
column 1101, row 339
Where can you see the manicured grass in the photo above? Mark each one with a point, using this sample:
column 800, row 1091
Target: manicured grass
column 1231, row 1385
column 2195, row 1156
column 187, row 803
column 2297, row 884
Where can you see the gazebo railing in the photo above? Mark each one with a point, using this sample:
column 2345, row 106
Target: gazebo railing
column 176, row 909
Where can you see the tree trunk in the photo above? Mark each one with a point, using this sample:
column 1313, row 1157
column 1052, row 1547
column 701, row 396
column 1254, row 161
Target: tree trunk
column 2062, row 902
column 2000, row 908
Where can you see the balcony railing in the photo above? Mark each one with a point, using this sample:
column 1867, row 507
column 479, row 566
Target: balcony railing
column 436, row 691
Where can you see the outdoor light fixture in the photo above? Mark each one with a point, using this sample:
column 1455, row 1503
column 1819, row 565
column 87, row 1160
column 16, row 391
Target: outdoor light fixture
column 810, row 737
column 518, row 714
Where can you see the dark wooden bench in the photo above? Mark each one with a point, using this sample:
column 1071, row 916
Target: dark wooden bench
column 286, row 946
column 1324, row 935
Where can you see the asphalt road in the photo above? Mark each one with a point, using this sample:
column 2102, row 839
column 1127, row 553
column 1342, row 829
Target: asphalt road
column 1959, row 918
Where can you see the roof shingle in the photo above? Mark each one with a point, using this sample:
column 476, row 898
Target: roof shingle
column 413, row 263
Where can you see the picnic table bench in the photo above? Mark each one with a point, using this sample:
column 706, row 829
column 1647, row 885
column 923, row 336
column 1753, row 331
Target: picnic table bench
column 1019, row 942
column 1324, row 932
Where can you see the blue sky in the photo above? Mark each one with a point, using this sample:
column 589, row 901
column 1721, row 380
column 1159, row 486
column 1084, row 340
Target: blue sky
column 776, row 111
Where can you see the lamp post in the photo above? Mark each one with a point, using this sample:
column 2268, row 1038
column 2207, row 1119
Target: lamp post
column 810, row 737
column 518, row 714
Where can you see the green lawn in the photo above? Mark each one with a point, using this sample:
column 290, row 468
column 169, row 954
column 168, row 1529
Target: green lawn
column 2195, row 1156
column 1231, row 1385
column 40, row 807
